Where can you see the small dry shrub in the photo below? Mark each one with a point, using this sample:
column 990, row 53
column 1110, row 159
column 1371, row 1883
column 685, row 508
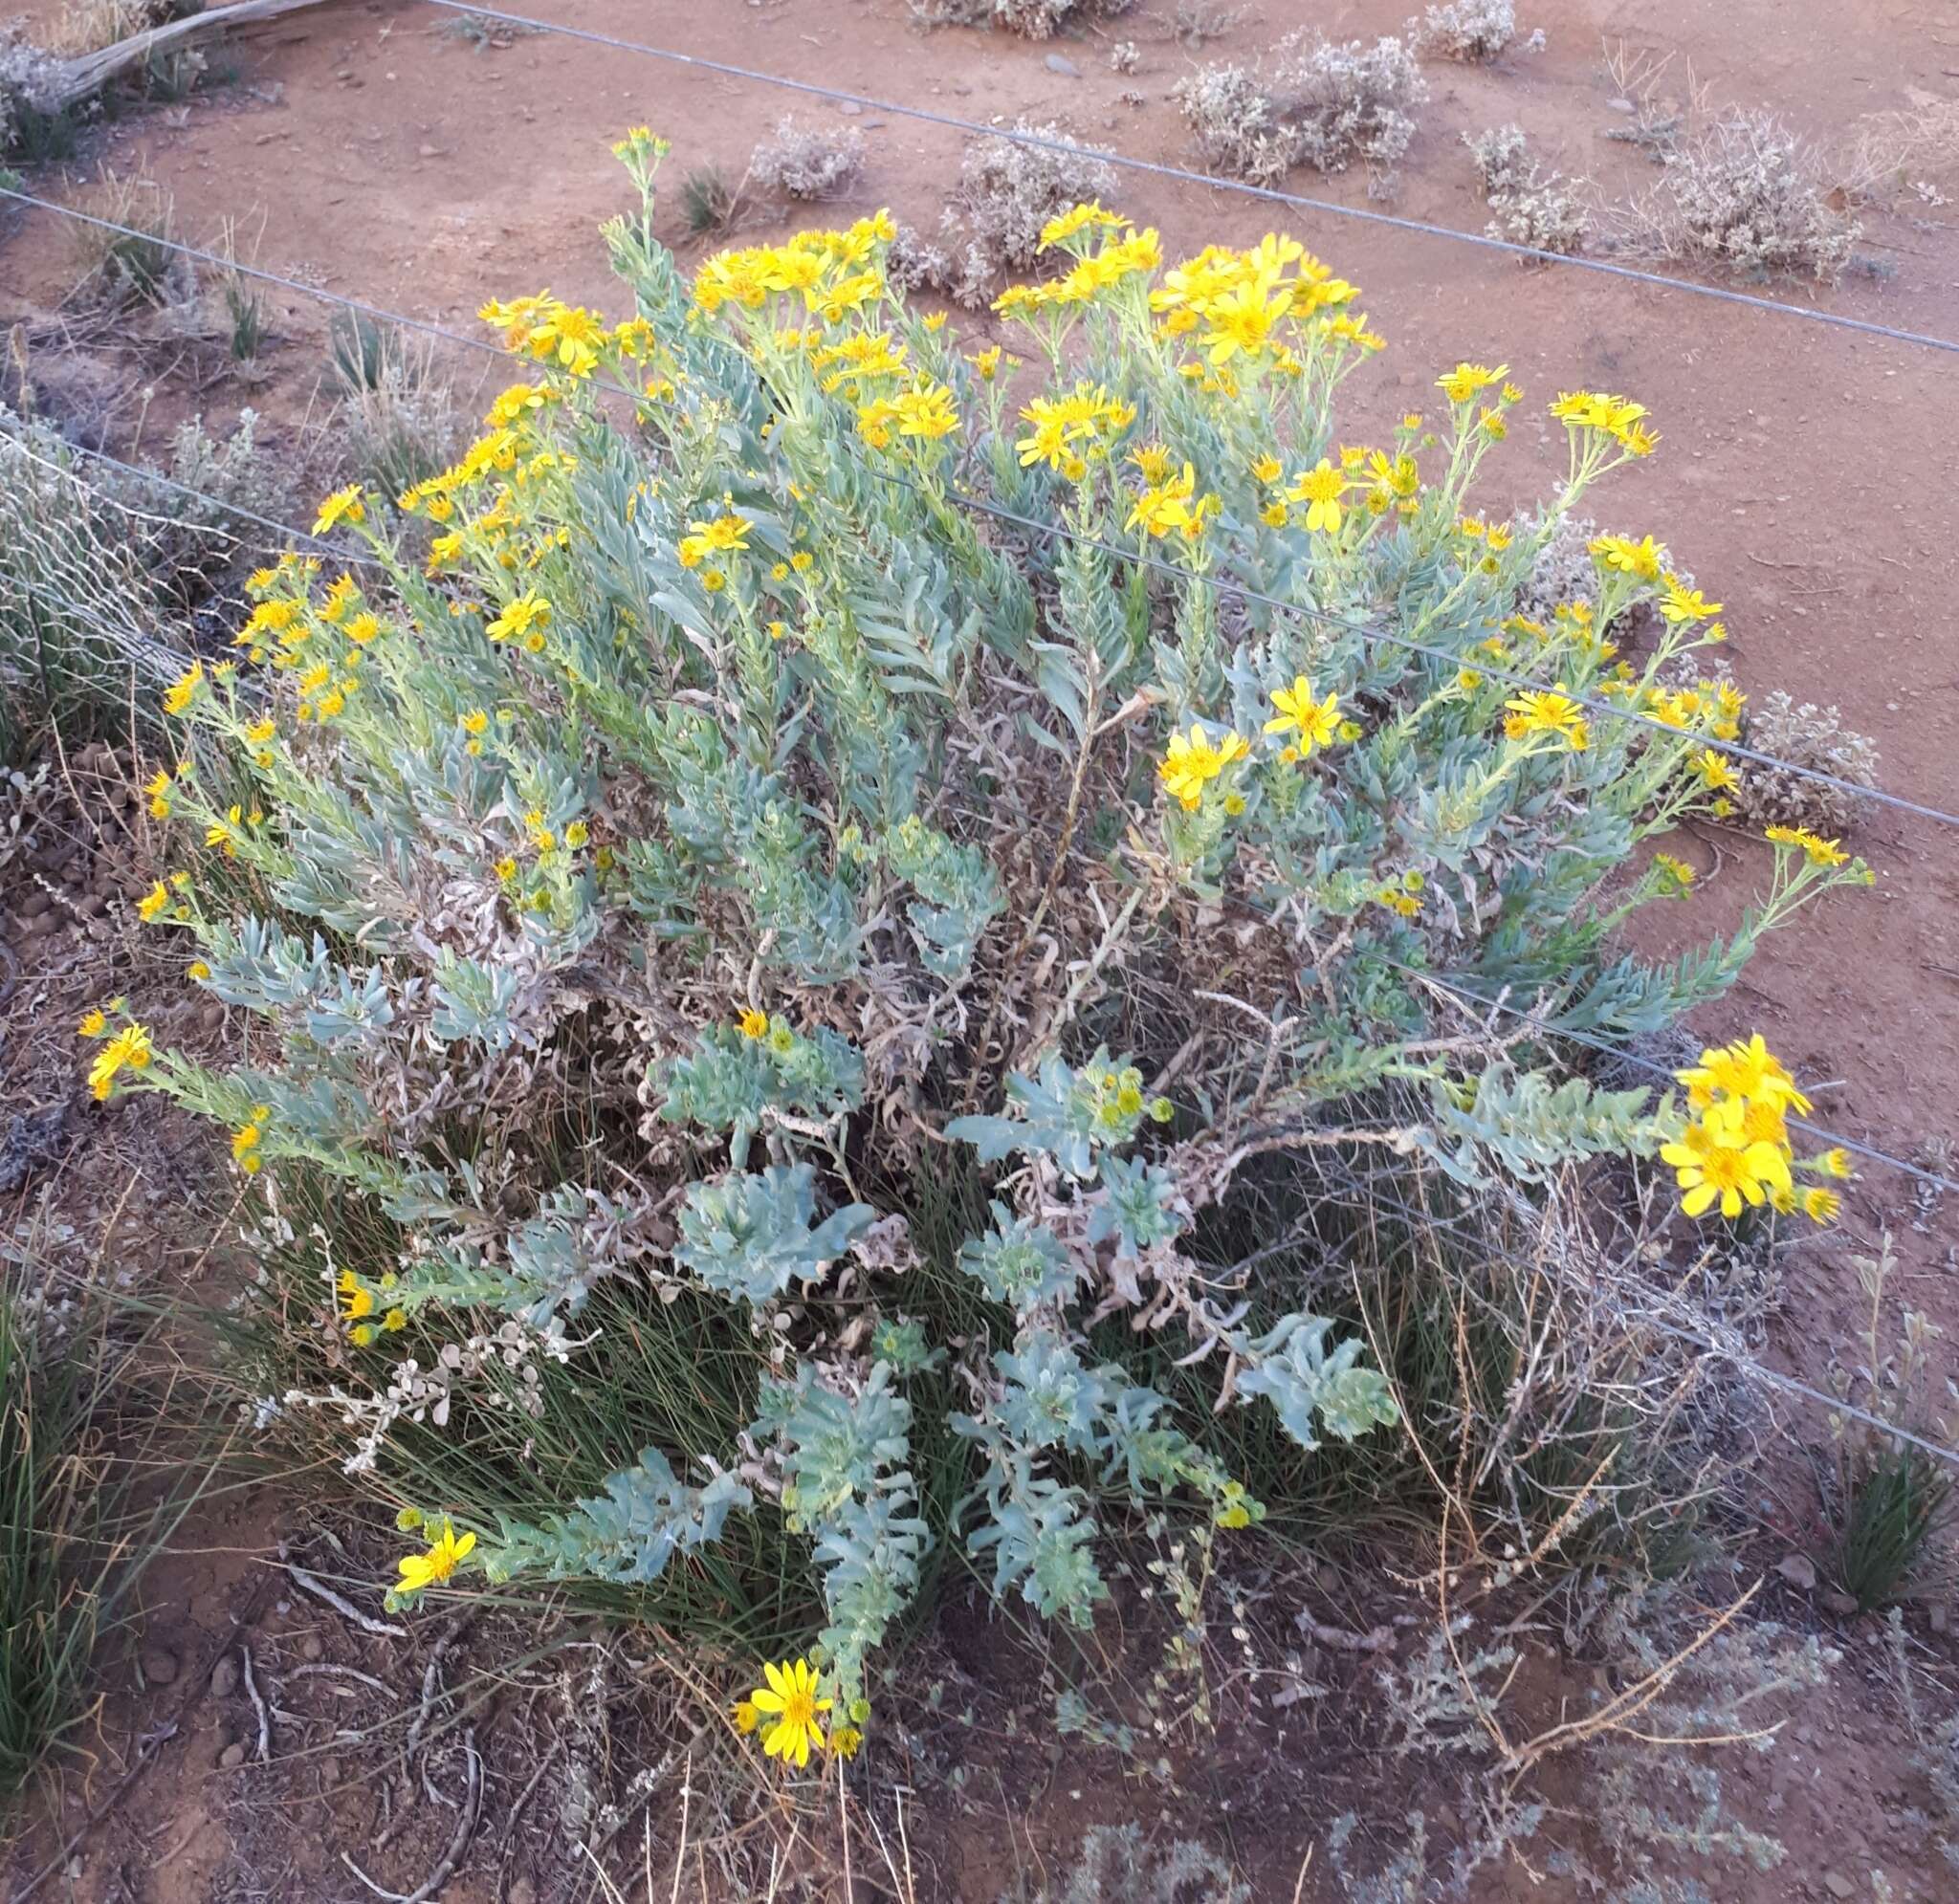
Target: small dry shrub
column 88, row 26
column 1746, row 192
column 26, row 71
column 1200, row 20
column 1466, row 30
column 138, row 264
column 398, row 418
column 1908, row 149
column 1118, row 1865
column 1810, row 739
column 1677, row 1686
column 1006, row 191
column 808, row 163
column 1535, row 207
column 1034, row 19
column 1312, row 101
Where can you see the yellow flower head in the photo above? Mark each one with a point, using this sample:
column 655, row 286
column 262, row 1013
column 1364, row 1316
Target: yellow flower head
column 1191, row 762
column 753, row 1023
column 1820, row 1205
column 342, row 506
column 1316, row 723
column 129, row 1049
column 790, row 1705
column 1538, row 710
column 444, row 1556
column 1468, row 380
column 184, row 689
column 529, row 610
column 1713, row 1163
column 1713, row 770
column 1321, row 488
column 1748, row 1071
column 153, row 902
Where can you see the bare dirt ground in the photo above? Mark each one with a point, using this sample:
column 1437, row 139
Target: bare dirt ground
column 1807, row 478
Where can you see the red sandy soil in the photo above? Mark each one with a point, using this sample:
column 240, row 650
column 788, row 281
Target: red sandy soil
column 1807, row 475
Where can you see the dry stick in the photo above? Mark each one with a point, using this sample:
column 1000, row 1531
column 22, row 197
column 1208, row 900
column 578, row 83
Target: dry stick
column 258, row 1706
column 326, row 1668
column 465, row 1830
column 308, row 1583
column 441, row 1646
column 1628, row 1704
column 523, row 1798
column 843, row 1822
column 679, row 1856
column 91, row 72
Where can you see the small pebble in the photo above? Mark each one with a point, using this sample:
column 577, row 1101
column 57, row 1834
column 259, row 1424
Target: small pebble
column 1060, row 62
column 159, row 1666
column 310, row 1648
column 224, row 1677
column 233, row 1755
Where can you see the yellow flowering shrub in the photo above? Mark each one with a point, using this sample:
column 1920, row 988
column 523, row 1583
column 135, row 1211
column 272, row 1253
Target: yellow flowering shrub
column 691, row 845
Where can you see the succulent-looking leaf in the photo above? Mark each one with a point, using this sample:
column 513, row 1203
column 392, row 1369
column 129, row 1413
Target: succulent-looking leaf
column 750, row 1237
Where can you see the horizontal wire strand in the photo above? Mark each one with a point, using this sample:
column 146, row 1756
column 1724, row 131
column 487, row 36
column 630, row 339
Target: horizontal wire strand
column 157, row 477
column 1772, row 1378
column 1733, row 749
column 1140, row 557
column 1244, row 592
column 1182, row 175
column 1657, row 1071
column 259, row 271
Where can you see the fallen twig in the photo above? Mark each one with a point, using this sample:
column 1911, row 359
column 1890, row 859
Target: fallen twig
column 465, row 1829
column 311, row 1584
column 328, row 1668
column 523, row 1798
column 85, row 75
column 258, row 1699
column 430, row 1685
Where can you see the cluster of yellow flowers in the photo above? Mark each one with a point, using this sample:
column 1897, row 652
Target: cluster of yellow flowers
column 826, row 269
column 1065, row 432
column 127, row 1049
column 1615, row 417
column 1736, row 1152
column 249, row 1136
column 1818, row 851
column 1264, row 305
column 1192, row 761
column 1133, row 255
column 360, row 1304
column 925, row 412
column 1172, row 505
column 787, row 1711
